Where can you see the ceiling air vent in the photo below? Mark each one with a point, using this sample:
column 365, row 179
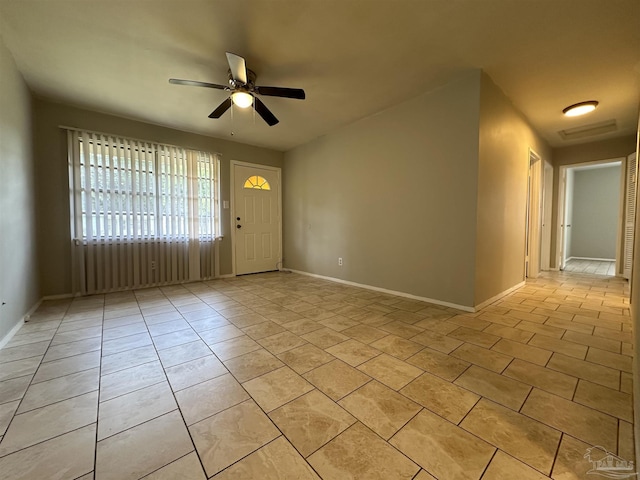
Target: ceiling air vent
column 589, row 130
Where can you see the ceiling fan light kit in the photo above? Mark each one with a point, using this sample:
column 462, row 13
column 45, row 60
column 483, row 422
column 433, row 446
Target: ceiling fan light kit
column 581, row 108
column 242, row 99
column 243, row 90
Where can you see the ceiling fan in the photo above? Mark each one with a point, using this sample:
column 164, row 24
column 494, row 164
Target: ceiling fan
column 243, row 90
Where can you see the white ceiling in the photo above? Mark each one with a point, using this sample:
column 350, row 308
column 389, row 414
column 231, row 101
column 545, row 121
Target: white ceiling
column 352, row 57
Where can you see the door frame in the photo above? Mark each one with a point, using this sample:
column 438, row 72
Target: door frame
column 546, row 214
column 533, row 227
column 562, row 200
column 562, row 193
column 278, row 171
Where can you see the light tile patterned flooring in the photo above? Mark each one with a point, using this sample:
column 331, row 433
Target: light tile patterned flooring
column 281, row 376
column 597, row 267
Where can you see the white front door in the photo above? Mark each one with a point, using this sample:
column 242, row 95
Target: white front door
column 256, row 218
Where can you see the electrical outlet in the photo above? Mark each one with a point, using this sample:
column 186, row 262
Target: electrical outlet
column 153, row 264
column 340, row 261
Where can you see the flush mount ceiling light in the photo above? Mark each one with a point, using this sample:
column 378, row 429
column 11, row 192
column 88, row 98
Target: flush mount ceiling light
column 580, row 108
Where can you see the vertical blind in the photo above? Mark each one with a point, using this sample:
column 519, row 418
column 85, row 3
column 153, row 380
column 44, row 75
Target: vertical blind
column 142, row 213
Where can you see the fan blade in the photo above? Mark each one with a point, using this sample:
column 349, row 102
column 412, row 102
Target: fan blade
column 238, row 68
column 193, row 83
column 281, row 92
column 223, row 107
column 264, row 112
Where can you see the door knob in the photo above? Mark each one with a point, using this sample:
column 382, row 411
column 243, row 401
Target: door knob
column 238, row 218
column 238, row 226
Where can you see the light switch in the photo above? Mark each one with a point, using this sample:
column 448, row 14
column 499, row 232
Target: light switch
column 225, row 204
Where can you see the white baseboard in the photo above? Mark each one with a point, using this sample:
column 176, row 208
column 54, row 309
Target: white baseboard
column 7, row 338
column 464, row 308
column 593, row 259
column 61, row 296
column 497, row 297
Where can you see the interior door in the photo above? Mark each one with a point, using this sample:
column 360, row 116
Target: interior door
column 527, row 236
column 532, row 266
column 256, row 218
column 547, row 202
column 561, row 245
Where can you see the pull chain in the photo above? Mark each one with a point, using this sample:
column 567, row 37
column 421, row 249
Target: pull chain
column 232, row 132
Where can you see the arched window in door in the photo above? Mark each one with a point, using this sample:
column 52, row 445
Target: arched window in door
column 257, row 182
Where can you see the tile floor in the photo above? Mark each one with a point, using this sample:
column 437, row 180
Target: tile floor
column 282, row 376
column 597, row 267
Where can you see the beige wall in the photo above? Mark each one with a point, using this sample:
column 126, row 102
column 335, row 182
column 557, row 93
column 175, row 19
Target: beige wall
column 18, row 266
column 394, row 195
column 505, row 138
column 635, row 315
column 52, row 179
column 586, row 152
column 589, row 152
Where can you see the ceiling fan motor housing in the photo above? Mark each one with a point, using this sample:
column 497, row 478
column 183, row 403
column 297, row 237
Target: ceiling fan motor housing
column 251, row 81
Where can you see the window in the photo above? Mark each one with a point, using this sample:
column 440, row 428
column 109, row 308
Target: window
column 256, row 182
column 129, row 189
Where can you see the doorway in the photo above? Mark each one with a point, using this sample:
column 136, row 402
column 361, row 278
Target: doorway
column 256, row 218
column 590, row 212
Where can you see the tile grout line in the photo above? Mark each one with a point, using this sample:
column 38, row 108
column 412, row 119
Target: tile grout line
column 95, row 449
column 264, row 412
column 174, row 392
column 267, row 415
column 4, row 436
column 149, row 420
